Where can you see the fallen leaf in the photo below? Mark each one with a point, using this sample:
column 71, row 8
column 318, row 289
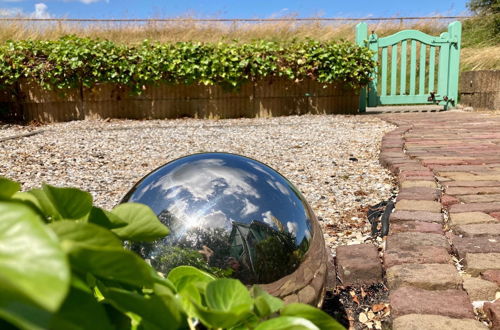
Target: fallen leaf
column 378, row 307
column 378, row 325
column 370, row 315
column 363, row 293
column 363, row 318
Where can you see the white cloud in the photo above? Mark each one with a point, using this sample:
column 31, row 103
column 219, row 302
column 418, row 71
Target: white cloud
column 10, row 12
column 41, row 11
column 292, row 228
column 268, row 218
column 249, row 208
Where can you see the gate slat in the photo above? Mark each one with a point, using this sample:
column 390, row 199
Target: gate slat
column 402, row 79
column 432, row 58
column 421, row 83
column 384, row 71
column 394, row 68
column 413, row 66
column 444, row 53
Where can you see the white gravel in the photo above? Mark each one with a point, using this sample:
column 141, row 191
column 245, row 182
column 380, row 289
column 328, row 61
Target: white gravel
column 313, row 151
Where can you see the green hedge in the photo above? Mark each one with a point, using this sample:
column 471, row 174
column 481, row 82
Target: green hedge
column 71, row 61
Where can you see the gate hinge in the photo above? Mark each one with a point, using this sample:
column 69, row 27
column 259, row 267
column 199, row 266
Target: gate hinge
column 435, row 98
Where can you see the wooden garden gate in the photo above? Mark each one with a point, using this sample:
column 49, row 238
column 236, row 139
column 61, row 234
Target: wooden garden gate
column 402, row 86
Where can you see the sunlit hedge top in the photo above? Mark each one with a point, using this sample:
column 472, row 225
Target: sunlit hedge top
column 71, row 61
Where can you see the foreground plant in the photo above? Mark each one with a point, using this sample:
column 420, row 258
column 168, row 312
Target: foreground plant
column 63, row 266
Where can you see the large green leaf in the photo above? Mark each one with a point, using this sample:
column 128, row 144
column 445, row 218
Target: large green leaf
column 265, row 304
column 8, row 187
column 287, row 323
column 80, row 311
column 110, row 263
column 228, row 294
column 85, row 233
column 43, row 202
column 70, row 203
column 321, row 319
column 142, row 223
column 184, row 275
column 33, row 268
column 163, row 312
column 105, row 219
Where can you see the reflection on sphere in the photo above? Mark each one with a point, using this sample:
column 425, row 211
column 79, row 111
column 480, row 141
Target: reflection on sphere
column 228, row 214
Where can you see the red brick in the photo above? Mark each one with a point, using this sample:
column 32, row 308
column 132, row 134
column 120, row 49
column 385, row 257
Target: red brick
column 451, row 303
column 416, row 255
column 358, row 264
column 448, row 200
column 475, row 207
column 408, row 239
column 472, row 184
column 419, row 226
column 492, row 275
column 495, row 215
column 493, row 312
column 416, row 216
column 464, row 245
column 419, row 193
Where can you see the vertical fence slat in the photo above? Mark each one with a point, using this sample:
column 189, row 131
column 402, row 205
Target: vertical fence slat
column 394, row 68
column 444, row 62
column 423, row 56
column 413, row 66
column 432, row 59
column 402, row 79
column 384, row 71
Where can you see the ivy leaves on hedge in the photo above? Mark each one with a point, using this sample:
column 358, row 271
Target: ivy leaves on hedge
column 72, row 62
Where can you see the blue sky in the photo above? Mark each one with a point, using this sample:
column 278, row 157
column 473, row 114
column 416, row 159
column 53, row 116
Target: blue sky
column 228, row 8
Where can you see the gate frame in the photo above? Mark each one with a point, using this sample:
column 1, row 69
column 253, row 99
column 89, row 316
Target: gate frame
column 448, row 67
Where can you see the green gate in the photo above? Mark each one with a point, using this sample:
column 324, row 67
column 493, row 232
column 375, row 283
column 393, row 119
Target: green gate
column 393, row 84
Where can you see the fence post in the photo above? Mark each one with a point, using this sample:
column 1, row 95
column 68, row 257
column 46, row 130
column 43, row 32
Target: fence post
column 455, row 35
column 361, row 40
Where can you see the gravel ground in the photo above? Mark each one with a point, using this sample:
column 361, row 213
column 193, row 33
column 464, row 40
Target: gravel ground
column 333, row 160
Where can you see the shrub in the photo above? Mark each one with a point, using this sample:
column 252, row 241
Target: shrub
column 63, row 266
column 72, row 61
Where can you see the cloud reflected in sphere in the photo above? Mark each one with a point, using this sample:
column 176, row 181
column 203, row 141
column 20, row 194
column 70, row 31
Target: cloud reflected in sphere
column 228, row 215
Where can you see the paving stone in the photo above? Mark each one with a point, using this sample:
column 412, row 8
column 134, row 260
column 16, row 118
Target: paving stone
column 416, row 255
column 424, row 276
column 451, row 303
column 472, row 190
column 477, row 263
column 418, row 205
column 493, row 312
column 433, row 322
column 492, row 275
column 474, row 184
column 420, row 226
column 468, row 218
column 409, row 239
column 409, row 184
column 478, row 230
column 398, row 216
column 479, row 289
column 358, row 264
column 447, row 200
column 443, row 161
column 419, row 193
column 495, row 215
column 480, row 198
column 416, row 178
column 464, row 245
column 475, row 207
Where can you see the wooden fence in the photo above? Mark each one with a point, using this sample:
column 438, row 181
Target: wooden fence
column 273, row 97
column 480, row 89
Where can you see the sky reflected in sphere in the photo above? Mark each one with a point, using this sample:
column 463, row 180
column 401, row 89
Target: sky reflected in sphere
column 228, row 214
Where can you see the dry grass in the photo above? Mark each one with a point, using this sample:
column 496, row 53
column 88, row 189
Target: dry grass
column 190, row 30
column 481, row 58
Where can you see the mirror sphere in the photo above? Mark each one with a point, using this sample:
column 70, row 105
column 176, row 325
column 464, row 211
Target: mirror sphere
column 228, row 215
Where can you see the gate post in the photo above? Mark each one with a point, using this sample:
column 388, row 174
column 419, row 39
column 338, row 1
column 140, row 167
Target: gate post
column 361, row 40
column 455, row 35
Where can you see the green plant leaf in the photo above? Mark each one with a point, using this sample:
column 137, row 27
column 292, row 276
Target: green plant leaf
column 184, row 275
column 321, row 319
column 228, row 294
column 70, row 203
column 265, row 304
column 43, row 202
column 34, row 272
column 8, row 187
column 85, row 233
column 105, row 219
column 287, row 323
column 111, row 263
column 161, row 312
column 79, row 311
column 142, row 223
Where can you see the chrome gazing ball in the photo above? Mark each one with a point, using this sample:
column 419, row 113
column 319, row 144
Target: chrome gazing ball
column 228, row 215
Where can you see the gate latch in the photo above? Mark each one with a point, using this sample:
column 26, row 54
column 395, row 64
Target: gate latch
column 437, row 98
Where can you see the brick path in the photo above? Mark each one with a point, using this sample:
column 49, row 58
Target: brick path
column 448, row 210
